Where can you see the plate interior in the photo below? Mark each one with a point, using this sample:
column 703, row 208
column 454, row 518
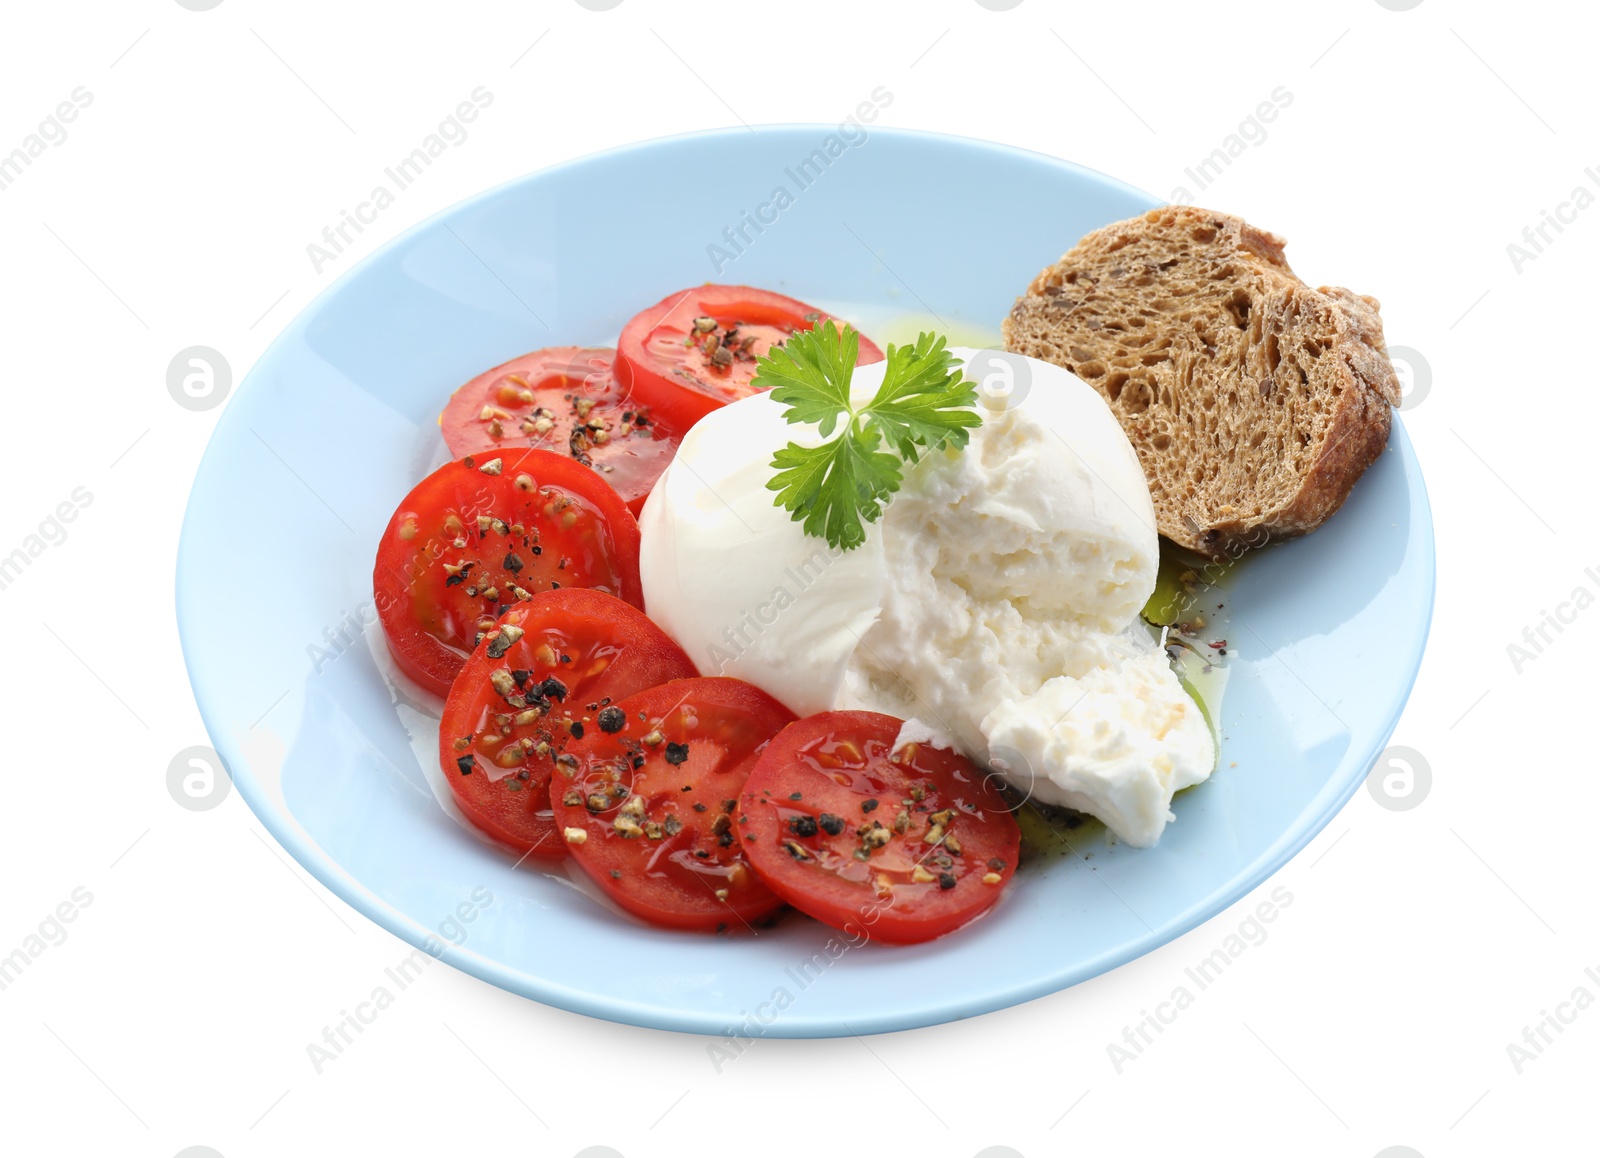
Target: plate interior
column 337, row 421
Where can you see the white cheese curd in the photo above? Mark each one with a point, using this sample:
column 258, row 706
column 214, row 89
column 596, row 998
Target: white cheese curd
column 994, row 604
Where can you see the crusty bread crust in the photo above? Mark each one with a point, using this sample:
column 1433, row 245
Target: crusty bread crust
column 1254, row 401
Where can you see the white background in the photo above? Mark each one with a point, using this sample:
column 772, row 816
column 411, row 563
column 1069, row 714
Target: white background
column 1420, row 943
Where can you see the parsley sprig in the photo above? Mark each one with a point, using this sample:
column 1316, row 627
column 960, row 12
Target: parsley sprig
column 837, row 487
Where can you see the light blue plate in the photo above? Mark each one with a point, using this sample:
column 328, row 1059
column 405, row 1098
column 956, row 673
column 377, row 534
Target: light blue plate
column 336, row 422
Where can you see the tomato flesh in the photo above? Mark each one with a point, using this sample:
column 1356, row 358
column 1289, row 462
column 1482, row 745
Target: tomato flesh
column 899, row 846
column 563, row 399
column 696, row 350
column 519, row 702
column 482, row 534
column 648, row 809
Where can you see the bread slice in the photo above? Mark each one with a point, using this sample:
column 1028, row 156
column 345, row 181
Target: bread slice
column 1254, row 401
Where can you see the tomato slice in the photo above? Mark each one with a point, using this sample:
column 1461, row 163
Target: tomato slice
column 900, row 846
column 647, row 810
column 541, row 679
column 696, row 350
column 479, row 535
column 563, row 399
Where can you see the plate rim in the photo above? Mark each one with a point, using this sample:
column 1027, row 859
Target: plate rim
column 328, row 872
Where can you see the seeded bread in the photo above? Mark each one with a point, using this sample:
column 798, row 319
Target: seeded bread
column 1254, row 401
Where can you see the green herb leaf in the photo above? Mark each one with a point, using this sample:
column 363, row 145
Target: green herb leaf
column 836, row 488
column 924, row 401
column 810, row 374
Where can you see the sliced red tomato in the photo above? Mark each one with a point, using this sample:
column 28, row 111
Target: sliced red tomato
column 544, row 676
column 900, row 846
column 696, row 350
column 563, row 399
column 647, row 808
column 483, row 533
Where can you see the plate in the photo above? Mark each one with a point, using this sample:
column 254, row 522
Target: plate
column 337, row 421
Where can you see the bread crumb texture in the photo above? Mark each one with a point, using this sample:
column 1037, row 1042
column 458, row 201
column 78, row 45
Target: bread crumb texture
column 1254, row 401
